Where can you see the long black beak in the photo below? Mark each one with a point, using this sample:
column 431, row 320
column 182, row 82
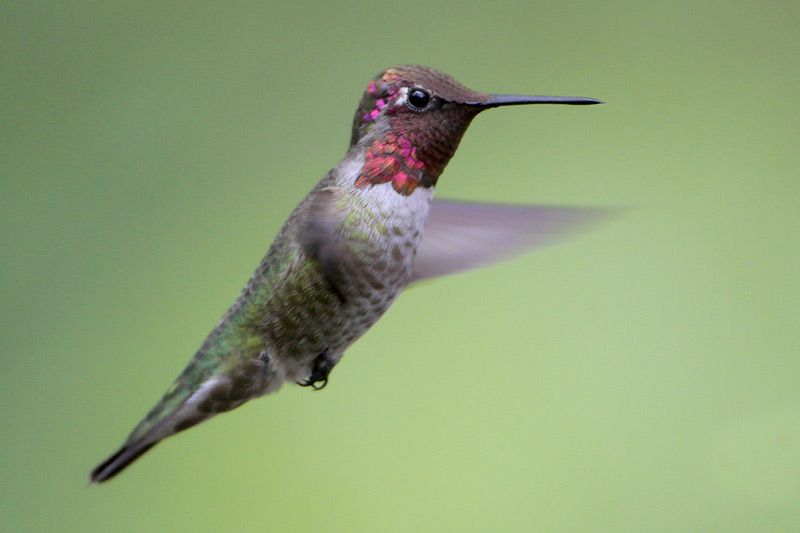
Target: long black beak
column 497, row 100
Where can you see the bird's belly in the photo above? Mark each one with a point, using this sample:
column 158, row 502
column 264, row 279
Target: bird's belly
column 308, row 318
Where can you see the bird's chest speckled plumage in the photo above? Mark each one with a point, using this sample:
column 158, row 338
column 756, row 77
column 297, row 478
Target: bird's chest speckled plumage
column 377, row 236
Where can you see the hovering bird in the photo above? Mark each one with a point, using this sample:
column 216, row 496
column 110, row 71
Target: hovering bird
column 366, row 231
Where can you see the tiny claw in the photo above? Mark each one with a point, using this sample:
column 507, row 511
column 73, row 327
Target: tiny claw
column 323, row 365
column 313, row 384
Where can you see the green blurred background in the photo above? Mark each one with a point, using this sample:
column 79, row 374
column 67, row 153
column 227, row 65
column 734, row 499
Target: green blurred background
column 642, row 377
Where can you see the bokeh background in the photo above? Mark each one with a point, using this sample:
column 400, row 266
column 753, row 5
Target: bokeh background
column 642, row 377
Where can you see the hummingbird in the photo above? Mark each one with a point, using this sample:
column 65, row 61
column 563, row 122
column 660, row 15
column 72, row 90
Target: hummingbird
column 367, row 230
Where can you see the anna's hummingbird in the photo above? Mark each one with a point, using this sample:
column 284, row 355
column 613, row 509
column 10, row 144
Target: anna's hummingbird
column 367, row 230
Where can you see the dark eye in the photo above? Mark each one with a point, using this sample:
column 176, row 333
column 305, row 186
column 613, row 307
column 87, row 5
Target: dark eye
column 418, row 99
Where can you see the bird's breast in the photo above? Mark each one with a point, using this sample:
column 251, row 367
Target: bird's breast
column 322, row 307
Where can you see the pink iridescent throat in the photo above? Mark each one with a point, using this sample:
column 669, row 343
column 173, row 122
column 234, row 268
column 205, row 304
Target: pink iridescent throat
column 394, row 160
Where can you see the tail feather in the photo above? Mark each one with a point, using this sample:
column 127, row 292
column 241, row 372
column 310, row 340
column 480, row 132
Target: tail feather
column 119, row 460
column 144, row 437
column 164, row 421
column 185, row 405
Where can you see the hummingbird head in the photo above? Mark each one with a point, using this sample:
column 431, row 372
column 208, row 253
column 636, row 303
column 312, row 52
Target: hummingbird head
column 411, row 118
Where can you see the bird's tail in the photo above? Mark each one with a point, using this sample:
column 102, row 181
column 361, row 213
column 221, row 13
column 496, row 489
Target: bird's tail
column 183, row 406
column 178, row 410
column 209, row 385
column 115, row 463
column 145, row 436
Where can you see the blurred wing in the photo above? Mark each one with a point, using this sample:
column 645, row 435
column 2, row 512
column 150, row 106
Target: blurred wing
column 464, row 235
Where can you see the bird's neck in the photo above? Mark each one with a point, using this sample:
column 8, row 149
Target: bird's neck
column 389, row 154
column 379, row 182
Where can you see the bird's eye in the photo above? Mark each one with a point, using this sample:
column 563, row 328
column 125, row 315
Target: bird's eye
column 418, row 99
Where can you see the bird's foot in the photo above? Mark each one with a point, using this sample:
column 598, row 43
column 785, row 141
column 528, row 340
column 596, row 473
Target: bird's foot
column 323, row 364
